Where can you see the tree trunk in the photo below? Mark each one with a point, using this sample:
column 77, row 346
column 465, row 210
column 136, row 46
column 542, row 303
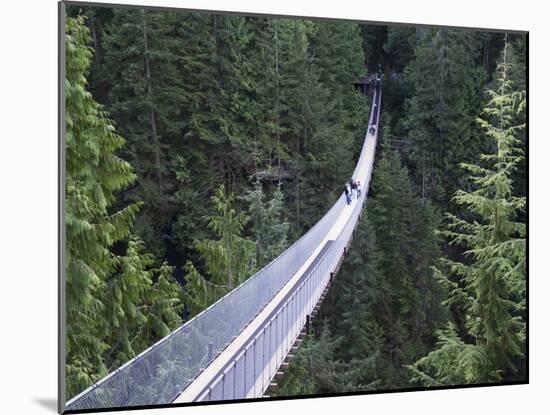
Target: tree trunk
column 277, row 100
column 152, row 116
column 486, row 49
column 94, row 40
column 423, row 185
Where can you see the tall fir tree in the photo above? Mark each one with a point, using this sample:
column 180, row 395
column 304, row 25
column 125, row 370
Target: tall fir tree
column 111, row 292
column 94, row 174
column 353, row 308
column 316, row 369
column 447, row 95
column 399, row 47
column 488, row 343
column 146, row 99
column 228, row 261
column 268, row 226
column 406, row 308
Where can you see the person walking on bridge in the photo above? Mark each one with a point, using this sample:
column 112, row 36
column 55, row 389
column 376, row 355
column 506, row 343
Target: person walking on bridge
column 358, row 189
column 354, row 188
column 347, row 190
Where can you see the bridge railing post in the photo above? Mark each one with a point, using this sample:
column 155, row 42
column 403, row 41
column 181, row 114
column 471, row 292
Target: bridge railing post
column 210, row 351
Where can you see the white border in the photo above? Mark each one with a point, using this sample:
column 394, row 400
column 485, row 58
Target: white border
column 28, row 180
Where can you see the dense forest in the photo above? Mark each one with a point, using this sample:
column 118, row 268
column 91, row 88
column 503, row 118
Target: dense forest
column 199, row 146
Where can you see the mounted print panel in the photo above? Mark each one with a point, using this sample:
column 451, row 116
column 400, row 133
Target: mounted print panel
column 263, row 206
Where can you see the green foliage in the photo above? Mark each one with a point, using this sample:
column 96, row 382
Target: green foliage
column 316, row 368
column 403, row 311
column 453, row 362
column 94, row 174
column 269, row 229
column 356, row 289
column 138, row 310
column 490, row 286
column 228, row 261
column 440, row 114
column 109, row 295
column 145, row 98
column 399, row 46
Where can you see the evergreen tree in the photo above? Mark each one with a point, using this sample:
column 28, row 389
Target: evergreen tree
column 110, row 292
column 329, row 123
column 488, row 343
column 515, row 56
column 399, row 47
column 94, row 175
column 146, row 96
column 355, row 292
column 164, row 301
column 269, row 229
column 138, row 311
column 447, row 95
column 407, row 304
column 316, row 368
column 123, row 316
column 228, row 261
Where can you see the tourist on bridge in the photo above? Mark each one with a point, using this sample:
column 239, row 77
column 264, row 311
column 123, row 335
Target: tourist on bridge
column 358, row 189
column 353, row 188
column 347, row 190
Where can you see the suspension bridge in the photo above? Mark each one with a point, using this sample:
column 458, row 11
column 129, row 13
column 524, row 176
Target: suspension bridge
column 240, row 346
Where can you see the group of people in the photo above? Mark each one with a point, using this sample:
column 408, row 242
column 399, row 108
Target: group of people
column 352, row 188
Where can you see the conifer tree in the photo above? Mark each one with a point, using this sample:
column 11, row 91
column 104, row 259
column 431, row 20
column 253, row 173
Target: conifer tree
column 384, row 304
column 94, row 175
column 488, row 344
column 145, row 98
column 356, row 289
column 125, row 287
column 268, row 226
column 228, row 261
column 447, row 95
column 109, row 280
column 399, row 47
column 316, row 369
column 403, row 309
column 329, row 117
column 164, row 302
column 142, row 304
